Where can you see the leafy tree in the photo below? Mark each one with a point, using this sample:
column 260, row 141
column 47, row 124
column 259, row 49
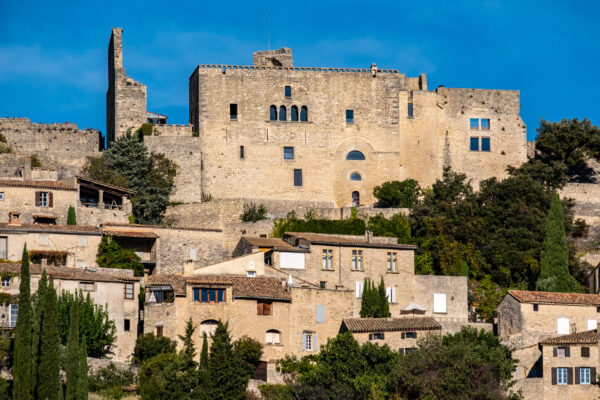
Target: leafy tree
column 148, row 345
column 554, row 258
column 38, row 315
column 49, row 385
column 470, row 364
column 165, row 376
column 22, row 389
column 398, row 226
column 249, row 351
column 128, row 163
column 81, row 393
column 112, row 255
column 224, row 367
column 72, row 367
column 71, row 216
column 94, row 322
column 109, row 380
column 374, row 302
column 397, row 194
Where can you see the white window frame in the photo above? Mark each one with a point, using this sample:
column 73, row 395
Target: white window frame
column 44, row 199
column 1, row 196
column 359, row 289
column 309, row 341
column 562, row 376
column 251, row 274
column 585, row 376
column 13, row 307
column 273, row 336
column 5, row 282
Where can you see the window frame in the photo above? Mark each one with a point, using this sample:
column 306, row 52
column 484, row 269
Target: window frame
column 355, row 177
column 129, row 288
column 233, row 112
column 562, row 373
column 327, row 259
column 1, row 196
column 126, row 325
column 352, row 154
column 349, row 116
column 588, row 376
column 272, row 334
column 273, row 112
column 282, row 115
column 357, row 260
column 304, row 114
column 204, row 295
column 288, row 152
column 298, row 177
column 242, row 152
column 487, row 147
column 44, row 199
column 474, row 144
column 6, row 279
column 410, row 110
column 287, row 92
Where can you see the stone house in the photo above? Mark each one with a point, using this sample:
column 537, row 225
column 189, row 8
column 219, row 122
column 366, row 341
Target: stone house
column 400, row 334
column 116, row 290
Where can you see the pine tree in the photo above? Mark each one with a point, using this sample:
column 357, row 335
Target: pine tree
column 82, row 378
column 384, row 306
column 554, row 258
column 22, row 355
column 71, row 216
column 72, row 367
column 204, row 387
column 38, row 315
column 188, row 342
column 49, row 366
column 225, row 378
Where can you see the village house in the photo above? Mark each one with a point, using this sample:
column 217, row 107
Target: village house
column 115, row 290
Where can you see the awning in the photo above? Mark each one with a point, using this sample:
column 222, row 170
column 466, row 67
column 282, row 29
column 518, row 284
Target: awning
column 414, row 307
column 160, row 288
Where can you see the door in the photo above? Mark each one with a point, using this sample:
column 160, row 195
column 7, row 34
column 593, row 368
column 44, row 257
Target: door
column 355, row 199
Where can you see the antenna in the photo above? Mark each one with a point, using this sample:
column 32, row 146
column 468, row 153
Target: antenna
column 268, row 31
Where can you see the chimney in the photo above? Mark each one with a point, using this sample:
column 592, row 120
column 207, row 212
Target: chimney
column 44, row 263
column 188, row 268
column 369, row 236
column 14, row 218
column 27, row 169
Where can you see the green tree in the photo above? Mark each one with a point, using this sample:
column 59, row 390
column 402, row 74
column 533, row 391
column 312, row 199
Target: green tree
column 384, row 306
column 148, row 345
column 554, row 258
column 224, row 367
column 165, row 376
column 112, row 255
column 49, row 385
column 249, row 351
column 204, row 384
column 368, row 302
column 71, row 216
column 22, row 389
column 188, row 342
column 397, row 194
column 398, row 226
column 72, row 367
column 469, row 364
column 38, row 315
column 82, row 376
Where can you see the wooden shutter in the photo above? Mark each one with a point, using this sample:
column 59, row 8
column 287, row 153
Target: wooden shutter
column 577, row 375
column 593, row 375
column 50, row 199
column 266, row 308
column 567, row 351
column 570, row 375
column 259, row 308
column 554, row 375
column 370, row 336
column 585, row 352
column 37, row 199
column 555, row 352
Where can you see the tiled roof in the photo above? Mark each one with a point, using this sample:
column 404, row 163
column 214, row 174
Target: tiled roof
column 587, row 337
column 78, row 274
column 361, row 325
column 524, row 296
column 108, row 185
column 130, row 233
column 57, row 185
column 271, row 243
column 50, row 228
column 243, row 287
column 340, row 240
column 183, row 228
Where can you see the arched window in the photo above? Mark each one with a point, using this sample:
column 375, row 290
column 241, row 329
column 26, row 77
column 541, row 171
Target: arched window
column 209, row 326
column 273, row 337
column 355, row 177
column 355, row 155
column 273, row 113
column 282, row 113
column 303, row 114
column 355, row 199
column 294, row 116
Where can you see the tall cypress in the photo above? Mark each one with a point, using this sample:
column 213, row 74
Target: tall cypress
column 49, row 366
column 22, row 354
column 72, row 367
column 554, row 258
column 82, row 378
column 204, row 386
column 384, row 306
column 38, row 315
column 71, row 216
column 227, row 383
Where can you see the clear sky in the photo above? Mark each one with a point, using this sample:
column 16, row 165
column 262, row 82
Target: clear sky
column 53, row 54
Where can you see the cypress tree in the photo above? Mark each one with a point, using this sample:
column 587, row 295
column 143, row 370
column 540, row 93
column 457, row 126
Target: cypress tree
column 554, row 258
column 71, row 216
column 82, row 378
column 72, row 367
column 204, row 386
column 188, row 342
column 49, row 367
column 227, row 383
column 384, row 306
column 22, row 354
column 38, row 315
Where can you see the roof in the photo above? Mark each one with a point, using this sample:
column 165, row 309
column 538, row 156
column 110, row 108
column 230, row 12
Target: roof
column 271, row 243
column 64, row 273
column 347, row 240
column 575, row 299
column 50, row 228
column 183, row 228
column 243, row 287
column 130, row 233
column 587, row 337
column 362, row 325
column 55, row 185
column 95, row 182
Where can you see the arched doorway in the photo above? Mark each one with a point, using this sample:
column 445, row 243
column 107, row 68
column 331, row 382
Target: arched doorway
column 355, row 199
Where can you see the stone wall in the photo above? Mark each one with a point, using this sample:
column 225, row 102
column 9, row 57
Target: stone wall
column 174, row 130
column 587, row 200
column 63, row 147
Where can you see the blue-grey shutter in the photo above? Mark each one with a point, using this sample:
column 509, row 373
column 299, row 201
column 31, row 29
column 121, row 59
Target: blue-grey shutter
column 304, row 341
column 315, row 344
column 320, row 313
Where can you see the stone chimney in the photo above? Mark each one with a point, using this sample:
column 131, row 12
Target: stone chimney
column 14, row 218
column 27, row 169
column 188, row 268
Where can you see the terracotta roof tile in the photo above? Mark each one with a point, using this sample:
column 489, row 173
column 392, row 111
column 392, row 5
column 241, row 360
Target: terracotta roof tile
column 587, row 337
column 70, row 229
column 340, row 240
column 361, row 325
column 108, row 185
column 130, row 233
column 271, row 243
column 582, row 299
column 57, row 185
column 65, row 273
column 183, row 228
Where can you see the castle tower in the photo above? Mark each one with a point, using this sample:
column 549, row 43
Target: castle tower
column 125, row 98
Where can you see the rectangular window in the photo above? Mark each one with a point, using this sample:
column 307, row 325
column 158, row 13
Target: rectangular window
column 5, row 282
column 320, row 314
column 129, row 290
column 357, row 259
column 536, row 307
column 297, row 177
column 208, row 295
column 485, row 144
column 1, row 196
column 126, row 325
column 359, row 289
column 195, row 294
column 390, row 294
column 562, row 326
column 474, row 144
column 561, row 352
column 159, row 330
column 323, row 285
column 561, row 376
column 288, row 153
column 309, row 341
column 392, row 259
column 288, row 91
column 14, row 312
column 87, row 286
column 410, row 110
column 585, row 352
column 349, row 116
column 474, row 123
column 251, row 274
column 82, row 241
column 411, row 335
column 263, row 308
column 377, row 336
column 233, row 112
column 242, row 155
column 585, row 376
column 327, row 259
column 484, row 123
column 439, row 303
column 43, row 199
column 44, row 240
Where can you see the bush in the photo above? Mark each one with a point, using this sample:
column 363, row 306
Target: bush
column 35, row 161
column 166, row 376
column 71, row 216
column 249, row 351
column 5, row 149
column 275, row 392
column 148, row 345
column 109, row 381
column 112, row 255
column 350, row 226
column 252, row 213
column 397, row 194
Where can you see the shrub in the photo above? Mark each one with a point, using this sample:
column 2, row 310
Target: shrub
column 5, row 149
column 397, row 194
column 112, row 255
column 35, row 161
column 149, row 345
column 110, row 380
column 276, row 392
column 206, row 197
column 2, row 138
column 252, row 213
column 71, row 216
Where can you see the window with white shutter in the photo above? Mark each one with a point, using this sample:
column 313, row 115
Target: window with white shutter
column 359, row 289
column 439, row 302
column 562, row 326
column 592, row 324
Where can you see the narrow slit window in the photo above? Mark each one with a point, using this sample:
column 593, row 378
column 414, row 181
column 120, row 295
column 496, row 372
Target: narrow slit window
column 233, row 112
column 242, row 154
column 297, row 177
column 410, row 110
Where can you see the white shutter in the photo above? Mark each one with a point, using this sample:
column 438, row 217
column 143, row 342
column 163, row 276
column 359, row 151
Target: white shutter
column 562, row 326
column 393, row 294
column 439, row 302
column 304, row 341
column 388, row 294
column 315, row 343
column 320, row 314
column 592, row 324
column 359, row 289
column 192, row 254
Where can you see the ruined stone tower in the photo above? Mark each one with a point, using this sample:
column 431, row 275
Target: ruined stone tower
column 125, row 98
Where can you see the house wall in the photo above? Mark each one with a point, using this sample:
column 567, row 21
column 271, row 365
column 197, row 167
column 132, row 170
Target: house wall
column 236, row 266
column 455, row 289
column 574, row 391
column 22, row 199
column 394, row 339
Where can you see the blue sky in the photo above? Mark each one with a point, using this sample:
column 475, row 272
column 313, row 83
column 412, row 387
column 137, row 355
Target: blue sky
column 53, row 54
